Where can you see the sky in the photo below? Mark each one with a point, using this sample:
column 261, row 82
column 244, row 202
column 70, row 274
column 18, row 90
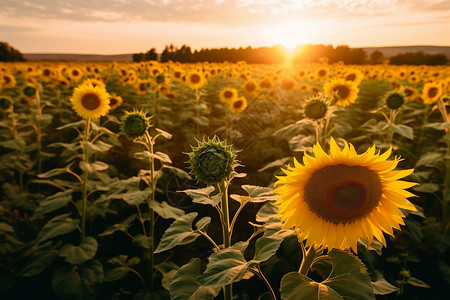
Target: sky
column 131, row 26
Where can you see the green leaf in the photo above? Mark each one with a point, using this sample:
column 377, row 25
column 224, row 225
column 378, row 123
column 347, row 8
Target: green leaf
column 203, row 223
column 417, row 283
column 168, row 270
column 81, row 283
column 266, row 212
column 260, row 194
column 426, row 187
column 430, row 159
column 57, row 226
column 268, row 244
column 101, row 129
column 438, row 126
column 38, row 262
column 224, row 267
column 164, row 133
column 4, row 227
column 72, row 125
column 122, row 226
column 275, row 164
column 180, row 232
column 165, row 210
column 53, row 203
column 142, row 241
column 185, row 285
column 202, row 121
column 348, row 280
column 403, row 130
column 122, row 267
column 202, row 196
column 56, row 171
column 382, row 287
column 136, row 197
column 79, row 254
column 98, row 146
column 93, row 167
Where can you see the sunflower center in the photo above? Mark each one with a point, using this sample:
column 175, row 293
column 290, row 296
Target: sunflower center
column 90, row 101
column 46, row 72
column 142, row 86
column 408, row 92
column 322, row 73
column 341, row 193
column 250, row 86
column 195, row 78
column 237, row 104
column 342, row 91
column 7, row 79
column 228, row 94
column 432, row 92
column 113, row 101
column 350, row 77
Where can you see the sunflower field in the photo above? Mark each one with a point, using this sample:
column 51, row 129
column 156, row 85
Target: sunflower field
column 224, row 181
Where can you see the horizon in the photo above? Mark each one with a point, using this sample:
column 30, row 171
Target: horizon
column 126, row 26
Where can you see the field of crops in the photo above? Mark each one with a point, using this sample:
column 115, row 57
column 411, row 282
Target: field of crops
column 218, row 180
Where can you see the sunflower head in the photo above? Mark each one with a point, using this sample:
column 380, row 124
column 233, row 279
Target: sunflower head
column 90, row 101
column 238, row 105
column 115, row 102
column 334, row 199
column 341, row 92
column 29, row 90
column 160, row 78
column 228, row 95
column 316, row 107
column 212, row 161
column 5, row 102
column 394, row 100
column 135, row 124
column 431, row 92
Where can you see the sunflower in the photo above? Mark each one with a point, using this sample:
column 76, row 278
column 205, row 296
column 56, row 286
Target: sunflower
column 431, row 92
column 178, row 74
column 322, row 74
column 142, row 86
column 9, row 81
column 250, row 88
column 94, row 82
column 333, row 199
column 266, row 83
column 342, row 93
column 195, row 80
column 115, row 102
column 228, row 95
column 288, row 84
column 75, row 74
column 238, row 105
column 411, row 93
column 354, row 75
column 90, row 101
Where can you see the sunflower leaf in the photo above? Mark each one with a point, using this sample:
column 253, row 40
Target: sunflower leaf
column 348, row 280
column 79, row 254
column 224, row 267
column 185, row 284
column 403, row 130
column 260, row 194
column 202, row 196
column 180, row 232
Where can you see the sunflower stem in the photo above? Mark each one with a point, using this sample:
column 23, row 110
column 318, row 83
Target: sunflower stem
column 446, row 191
column 308, row 260
column 39, row 132
column 260, row 274
column 150, row 200
column 84, row 180
column 223, row 188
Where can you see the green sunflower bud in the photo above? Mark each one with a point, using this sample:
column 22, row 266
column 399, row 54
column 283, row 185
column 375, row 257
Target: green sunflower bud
column 394, row 100
column 160, row 78
column 135, row 124
column 5, row 102
column 29, row 91
column 212, row 161
column 316, row 108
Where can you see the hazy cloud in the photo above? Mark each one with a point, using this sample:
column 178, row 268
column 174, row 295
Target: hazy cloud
column 226, row 12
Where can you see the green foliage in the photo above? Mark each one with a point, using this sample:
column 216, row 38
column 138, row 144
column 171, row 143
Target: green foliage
column 8, row 53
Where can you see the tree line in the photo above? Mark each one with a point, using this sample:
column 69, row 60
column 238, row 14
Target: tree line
column 276, row 54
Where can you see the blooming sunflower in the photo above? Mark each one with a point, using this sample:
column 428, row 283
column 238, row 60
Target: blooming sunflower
column 90, row 101
column 411, row 93
column 195, row 80
column 431, row 92
column 354, row 75
column 288, row 83
column 115, row 102
column 238, row 105
column 9, row 81
column 228, row 95
column 250, row 87
column 333, row 199
column 342, row 93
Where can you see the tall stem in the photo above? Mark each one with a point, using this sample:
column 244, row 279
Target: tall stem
column 307, row 261
column 84, row 180
column 223, row 187
column 446, row 191
column 150, row 200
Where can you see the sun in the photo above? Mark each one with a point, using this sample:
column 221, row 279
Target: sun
column 290, row 34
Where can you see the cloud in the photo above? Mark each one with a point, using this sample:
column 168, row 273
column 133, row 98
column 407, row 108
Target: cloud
column 222, row 12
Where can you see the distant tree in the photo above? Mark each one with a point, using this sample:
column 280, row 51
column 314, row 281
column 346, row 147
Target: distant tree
column 418, row 58
column 137, row 57
column 151, row 54
column 376, row 57
column 8, row 53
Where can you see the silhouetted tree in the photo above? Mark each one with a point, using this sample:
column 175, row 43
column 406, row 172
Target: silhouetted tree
column 8, row 53
column 418, row 58
column 376, row 57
